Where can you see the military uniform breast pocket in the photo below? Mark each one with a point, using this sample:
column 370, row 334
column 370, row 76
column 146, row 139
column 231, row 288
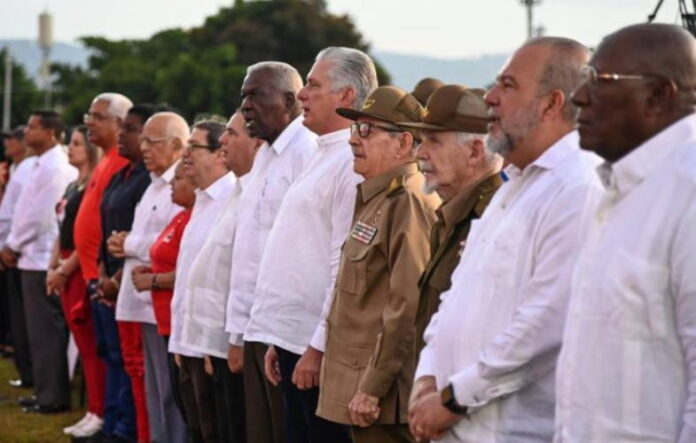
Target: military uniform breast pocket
column 353, row 277
column 638, row 296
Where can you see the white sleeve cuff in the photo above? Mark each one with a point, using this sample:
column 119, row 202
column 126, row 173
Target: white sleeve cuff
column 426, row 363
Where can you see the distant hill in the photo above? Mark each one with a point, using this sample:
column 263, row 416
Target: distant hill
column 405, row 69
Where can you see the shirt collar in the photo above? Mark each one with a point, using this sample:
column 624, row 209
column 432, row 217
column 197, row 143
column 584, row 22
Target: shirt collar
column 550, row 158
column 476, row 199
column 333, row 138
column 167, row 177
column 287, row 135
column 627, row 173
column 375, row 185
column 219, row 187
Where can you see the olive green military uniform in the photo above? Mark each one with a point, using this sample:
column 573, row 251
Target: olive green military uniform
column 447, row 241
column 371, row 325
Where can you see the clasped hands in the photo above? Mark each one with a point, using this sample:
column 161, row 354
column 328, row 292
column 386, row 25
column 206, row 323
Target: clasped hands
column 428, row 419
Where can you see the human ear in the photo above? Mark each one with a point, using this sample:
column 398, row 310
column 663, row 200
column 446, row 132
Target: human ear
column 661, row 97
column 554, row 104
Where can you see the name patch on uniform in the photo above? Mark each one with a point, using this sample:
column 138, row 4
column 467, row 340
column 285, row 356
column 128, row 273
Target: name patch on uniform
column 363, row 232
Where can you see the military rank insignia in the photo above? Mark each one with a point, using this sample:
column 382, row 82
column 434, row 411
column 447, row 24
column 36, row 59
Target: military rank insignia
column 363, row 232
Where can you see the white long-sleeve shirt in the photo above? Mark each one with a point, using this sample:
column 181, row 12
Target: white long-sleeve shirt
column 300, row 263
column 152, row 214
column 275, row 168
column 210, row 202
column 34, row 226
column 497, row 333
column 209, row 283
column 18, row 177
column 627, row 370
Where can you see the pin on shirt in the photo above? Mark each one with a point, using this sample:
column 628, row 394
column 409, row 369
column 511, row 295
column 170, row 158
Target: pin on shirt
column 363, row 232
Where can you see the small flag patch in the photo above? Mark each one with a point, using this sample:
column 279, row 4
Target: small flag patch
column 363, row 232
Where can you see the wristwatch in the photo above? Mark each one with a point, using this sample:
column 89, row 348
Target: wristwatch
column 448, row 401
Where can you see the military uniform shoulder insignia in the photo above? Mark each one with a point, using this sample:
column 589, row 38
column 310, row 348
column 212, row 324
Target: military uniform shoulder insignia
column 363, row 232
column 396, row 184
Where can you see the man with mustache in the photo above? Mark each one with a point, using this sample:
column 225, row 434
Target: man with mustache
column 627, row 368
column 491, row 348
column 272, row 113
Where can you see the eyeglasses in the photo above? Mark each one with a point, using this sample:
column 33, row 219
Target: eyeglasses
column 363, row 129
column 152, row 141
column 95, row 116
column 194, row 146
column 592, row 77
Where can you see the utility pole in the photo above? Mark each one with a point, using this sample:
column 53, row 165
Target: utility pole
column 529, row 4
column 7, row 96
column 46, row 43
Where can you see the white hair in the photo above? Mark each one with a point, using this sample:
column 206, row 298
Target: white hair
column 284, row 76
column 465, row 138
column 119, row 104
column 351, row 68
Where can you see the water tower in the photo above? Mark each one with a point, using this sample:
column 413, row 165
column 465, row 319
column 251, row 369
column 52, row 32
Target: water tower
column 46, row 43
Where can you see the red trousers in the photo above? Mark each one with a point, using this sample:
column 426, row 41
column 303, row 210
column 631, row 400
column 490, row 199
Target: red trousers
column 78, row 315
column 134, row 363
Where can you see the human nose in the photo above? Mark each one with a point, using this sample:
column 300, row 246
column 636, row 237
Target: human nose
column 581, row 97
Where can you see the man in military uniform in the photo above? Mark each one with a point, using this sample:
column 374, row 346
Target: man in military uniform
column 464, row 173
column 369, row 358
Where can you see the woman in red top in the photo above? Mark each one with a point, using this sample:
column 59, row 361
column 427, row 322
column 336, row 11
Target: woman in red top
column 159, row 277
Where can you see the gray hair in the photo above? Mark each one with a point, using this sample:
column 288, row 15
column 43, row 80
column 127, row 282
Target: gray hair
column 465, row 138
column 284, row 77
column 562, row 69
column 119, row 104
column 352, row 68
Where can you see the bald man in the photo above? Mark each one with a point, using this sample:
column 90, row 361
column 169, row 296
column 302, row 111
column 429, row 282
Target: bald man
column 162, row 142
column 627, row 370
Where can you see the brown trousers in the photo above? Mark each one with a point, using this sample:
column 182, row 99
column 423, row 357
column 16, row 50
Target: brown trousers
column 382, row 434
column 198, row 396
column 263, row 401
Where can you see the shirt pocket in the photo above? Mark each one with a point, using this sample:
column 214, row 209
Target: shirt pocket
column 272, row 195
column 343, row 370
column 639, row 296
column 353, row 274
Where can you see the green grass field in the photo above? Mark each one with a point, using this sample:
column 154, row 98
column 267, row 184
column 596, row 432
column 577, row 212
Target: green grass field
column 17, row 427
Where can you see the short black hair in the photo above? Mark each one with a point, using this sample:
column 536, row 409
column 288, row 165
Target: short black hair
column 214, row 131
column 143, row 111
column 51, row 120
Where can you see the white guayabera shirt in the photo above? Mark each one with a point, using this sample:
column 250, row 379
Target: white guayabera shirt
column 152, row 214
column 18, row 177
column 210, row 202
column 303, row 250
column 497, row 333
column 627, row 371
column 209, row 283
column 275, row 168
column 34, row 226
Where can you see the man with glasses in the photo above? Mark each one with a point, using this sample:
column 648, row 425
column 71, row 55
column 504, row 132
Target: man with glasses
column 369, row 354
column 492, row 346
column 204, row 163
column 161, row 143
column 627, row 369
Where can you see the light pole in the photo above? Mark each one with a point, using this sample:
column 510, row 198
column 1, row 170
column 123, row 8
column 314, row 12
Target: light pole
column 529, row 4
column 7, row 96
column 46, row 43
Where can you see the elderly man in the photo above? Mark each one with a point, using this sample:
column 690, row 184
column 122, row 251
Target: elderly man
column 300, row 262
column 458, row 166
column 272, row 112
column 208, row 286
column 161, row 143
column 28, row 248
column 23, row 161
column 627, row 367
column 205, row 163
column 486, row 373
column 369, row 352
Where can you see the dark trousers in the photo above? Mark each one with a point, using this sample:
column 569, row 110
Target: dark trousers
column 48, row 341
column 197, row 393
column 119, row 409
column 18, row 326
column 5, row 339
column 263, row 401
column 229, row 402
column 301, row 421
column 382, row 434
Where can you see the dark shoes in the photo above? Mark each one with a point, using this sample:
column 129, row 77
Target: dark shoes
column 27, row 402
column 45, row 409
column 20, row 384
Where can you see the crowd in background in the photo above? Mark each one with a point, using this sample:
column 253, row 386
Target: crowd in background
column 348, row 262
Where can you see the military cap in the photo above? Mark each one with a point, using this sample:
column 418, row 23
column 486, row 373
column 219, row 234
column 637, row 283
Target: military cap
column 425, row 88
column 454, row 108
column 387, row 103
column 17, row 132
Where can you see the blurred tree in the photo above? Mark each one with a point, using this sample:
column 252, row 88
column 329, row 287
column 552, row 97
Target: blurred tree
column 201, row 70
column 26, row 97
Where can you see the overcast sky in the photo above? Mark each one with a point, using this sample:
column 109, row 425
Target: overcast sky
column 441, row 28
